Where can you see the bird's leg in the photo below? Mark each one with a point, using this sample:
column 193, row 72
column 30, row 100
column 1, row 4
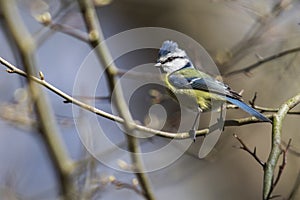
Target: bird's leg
column 192, row 132
column 221, row 120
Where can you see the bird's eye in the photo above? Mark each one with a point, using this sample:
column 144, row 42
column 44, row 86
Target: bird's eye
column 169, row 59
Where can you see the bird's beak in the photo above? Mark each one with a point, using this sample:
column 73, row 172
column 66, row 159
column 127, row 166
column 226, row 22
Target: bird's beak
column 157, row 64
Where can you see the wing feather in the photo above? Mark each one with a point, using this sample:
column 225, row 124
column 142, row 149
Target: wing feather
column 200, row 82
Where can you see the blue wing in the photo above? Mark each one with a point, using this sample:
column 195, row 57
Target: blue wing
column 248, row 109
column 206, row 83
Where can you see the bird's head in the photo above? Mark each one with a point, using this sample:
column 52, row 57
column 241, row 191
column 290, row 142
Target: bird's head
column 171, row 58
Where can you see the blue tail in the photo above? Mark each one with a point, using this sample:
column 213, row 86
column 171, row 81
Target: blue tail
column 248, row 109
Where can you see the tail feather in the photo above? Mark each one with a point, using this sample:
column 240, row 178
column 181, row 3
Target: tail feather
column 248, row 109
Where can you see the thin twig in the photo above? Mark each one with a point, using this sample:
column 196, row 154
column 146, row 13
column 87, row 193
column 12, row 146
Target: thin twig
column 252, row 101
column 252, row 153
column 244, row 121
column 262, row 61
column 276, row 141
column 107, row 98
column 63, row 28
column 262, row 109
column 265, row 109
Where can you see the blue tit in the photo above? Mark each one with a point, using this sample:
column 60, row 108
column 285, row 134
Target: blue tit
column 199, row 88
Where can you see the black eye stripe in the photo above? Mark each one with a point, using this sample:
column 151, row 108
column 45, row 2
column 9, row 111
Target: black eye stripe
column 171, row 58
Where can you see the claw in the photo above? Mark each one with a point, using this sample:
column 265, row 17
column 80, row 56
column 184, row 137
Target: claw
column 192, row 134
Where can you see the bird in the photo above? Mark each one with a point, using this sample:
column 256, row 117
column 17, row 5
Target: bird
column 198, row 90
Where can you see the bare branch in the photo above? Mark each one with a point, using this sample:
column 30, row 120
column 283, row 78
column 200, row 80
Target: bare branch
column 252, row 153
column 47, row 125
column 69, row 99
column 95, row 38
column 265, row 109
column 69, row 31
column 276, row 141
column 262, row 61
column 280, row 171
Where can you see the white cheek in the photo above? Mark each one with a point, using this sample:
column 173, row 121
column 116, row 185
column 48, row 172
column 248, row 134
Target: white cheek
column 179, row 63
column 174, row 65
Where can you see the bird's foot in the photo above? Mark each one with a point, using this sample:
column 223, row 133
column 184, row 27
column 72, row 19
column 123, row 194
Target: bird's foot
column 192, row 134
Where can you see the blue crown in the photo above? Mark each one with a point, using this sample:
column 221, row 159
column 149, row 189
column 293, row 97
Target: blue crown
column 167, row 47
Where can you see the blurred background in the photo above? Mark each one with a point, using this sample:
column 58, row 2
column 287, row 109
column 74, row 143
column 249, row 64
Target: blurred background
column 235, row 33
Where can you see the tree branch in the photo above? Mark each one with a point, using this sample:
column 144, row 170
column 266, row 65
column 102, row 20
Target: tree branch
column 63, row 165
column 96, row 39
column 283, row 164
column 276, row 141
column 69, row 99
column 265, row 109
column 262, row 61
column 252, row 153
